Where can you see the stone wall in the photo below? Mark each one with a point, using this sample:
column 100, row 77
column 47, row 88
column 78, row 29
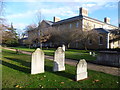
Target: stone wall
column 111, row 58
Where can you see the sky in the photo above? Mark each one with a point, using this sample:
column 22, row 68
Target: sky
column 24, row 12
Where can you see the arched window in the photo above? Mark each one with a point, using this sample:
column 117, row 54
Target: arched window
column 100, row 40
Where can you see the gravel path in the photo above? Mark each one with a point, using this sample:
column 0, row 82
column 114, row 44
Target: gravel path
column 106, row 69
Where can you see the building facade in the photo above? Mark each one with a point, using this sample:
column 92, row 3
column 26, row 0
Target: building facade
column 84, row 22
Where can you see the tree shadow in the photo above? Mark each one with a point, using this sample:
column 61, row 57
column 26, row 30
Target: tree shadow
column 24, row 63
column 28, row 64
column 60, row 73
column 22, row 69
column 9, row 52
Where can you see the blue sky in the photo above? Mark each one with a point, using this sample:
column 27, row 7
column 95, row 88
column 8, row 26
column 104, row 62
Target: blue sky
column 23, row 12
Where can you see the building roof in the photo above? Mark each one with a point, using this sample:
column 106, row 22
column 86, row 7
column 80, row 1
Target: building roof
column 101, row 30
column 49, row 22
column 68, row 20
column 77, row 18
column 99, row 21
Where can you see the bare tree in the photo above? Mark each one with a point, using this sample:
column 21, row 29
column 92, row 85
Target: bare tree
column 86, row 36
column 3, row 25
column 39, row 31
column 1, row 7
column 115, row 35
column 32, row 34
column 9, row 36
column 64, row 36
column 69, row 36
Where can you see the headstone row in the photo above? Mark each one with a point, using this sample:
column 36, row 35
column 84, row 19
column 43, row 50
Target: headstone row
column 92, row 53
column 37, row 64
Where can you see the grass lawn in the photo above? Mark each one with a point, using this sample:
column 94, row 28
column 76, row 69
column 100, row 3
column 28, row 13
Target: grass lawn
column 70, row 53
column 16, row 74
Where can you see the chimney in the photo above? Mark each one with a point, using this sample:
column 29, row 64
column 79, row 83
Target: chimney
column 107, row 20
column 56, row 19
column 83, row 11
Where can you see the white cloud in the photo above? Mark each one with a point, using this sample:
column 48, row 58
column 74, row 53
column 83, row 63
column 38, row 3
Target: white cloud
column 63, row 11
column 115, row 22
column 89, row 5
column 20, row 27
column 47, row 12
column 21, row 15
column 61, row 1
column 111, row 5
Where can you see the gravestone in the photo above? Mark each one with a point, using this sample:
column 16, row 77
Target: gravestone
column 63, row 47
column 59, row 60
column 81, row 70
column 37, row 64
column 93, row 54
column 90, row 53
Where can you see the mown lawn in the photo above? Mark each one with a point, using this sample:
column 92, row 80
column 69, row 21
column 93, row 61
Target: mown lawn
column 16, row 74
column 70, row 53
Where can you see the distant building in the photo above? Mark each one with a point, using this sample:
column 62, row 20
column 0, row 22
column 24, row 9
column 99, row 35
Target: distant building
column 80, row 22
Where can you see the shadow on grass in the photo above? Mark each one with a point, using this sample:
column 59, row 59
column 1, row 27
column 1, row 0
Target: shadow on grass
column 27, row 64
column 24, row 63
column 25, row 70
column 9, row 52
column 60, row 73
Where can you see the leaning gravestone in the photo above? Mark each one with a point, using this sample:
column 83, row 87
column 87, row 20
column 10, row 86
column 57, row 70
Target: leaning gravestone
column 63, row 47
column 37, row 64
column 59, row 60
column 81, row 70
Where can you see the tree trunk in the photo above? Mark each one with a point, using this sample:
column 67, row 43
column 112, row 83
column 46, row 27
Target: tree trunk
column 41, row 45
column 29, row 46
column 85, row 47
column 67, row 46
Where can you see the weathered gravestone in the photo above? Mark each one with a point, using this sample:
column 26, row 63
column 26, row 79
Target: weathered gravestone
column 81, row 70
column 59, row 60
column 37, row 64
column 63, row 47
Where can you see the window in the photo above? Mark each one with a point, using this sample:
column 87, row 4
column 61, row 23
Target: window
column 38, row 32
column 77, row 24
column 94, row 25
column 101, row 26
column 90, row 41
column 87, row 25
column 70, row 25
column 100, row 40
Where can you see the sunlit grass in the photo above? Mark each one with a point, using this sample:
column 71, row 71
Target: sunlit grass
column 16, row 74
column 69, row 53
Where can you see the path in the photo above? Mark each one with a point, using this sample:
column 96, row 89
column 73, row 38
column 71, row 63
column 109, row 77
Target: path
column 91, row 66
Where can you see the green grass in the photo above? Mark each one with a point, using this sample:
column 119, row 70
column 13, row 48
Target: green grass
column 70, row 53
column 16, row 74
